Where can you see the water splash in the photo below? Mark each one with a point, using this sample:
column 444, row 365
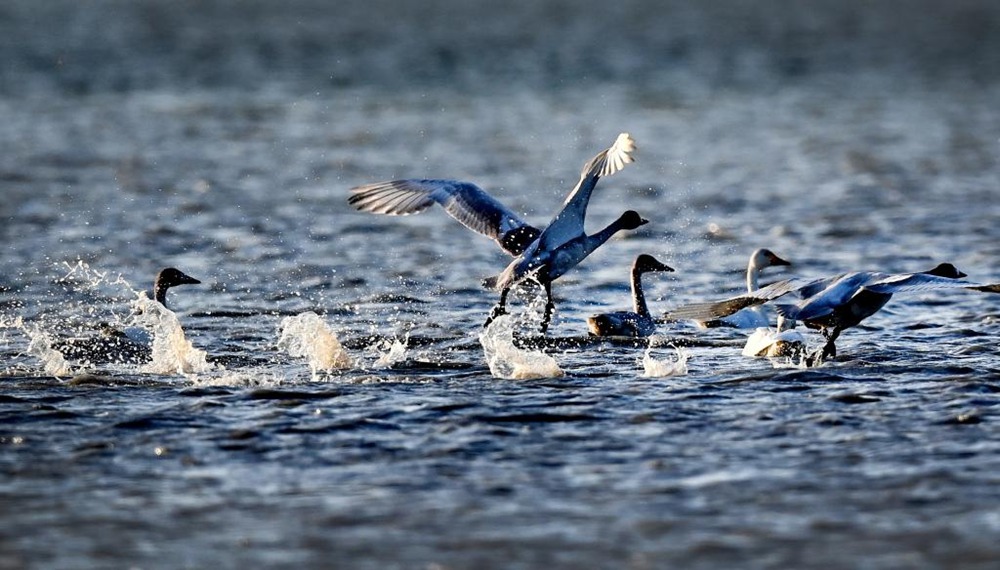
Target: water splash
column 172, row 352
column 508, row 361
column 85, row 276
column 306, row 335
column 802, row 361
column 653, row 368
column 40, row 346
column 772, row 343
column 149, row 336
column 395, row 354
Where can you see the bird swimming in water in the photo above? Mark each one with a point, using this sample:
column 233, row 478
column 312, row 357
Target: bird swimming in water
column 540, row 256
column 170, row 277
column 635, row 323
column 167, row 278
column 133, row 344
column 833, row 304
column 750, row 317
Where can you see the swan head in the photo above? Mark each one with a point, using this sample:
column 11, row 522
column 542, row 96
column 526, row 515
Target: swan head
column 946, row 270
column 646, row 262
column 631, row 220
column 171, row 276
column 762, row 258
column 167, row 278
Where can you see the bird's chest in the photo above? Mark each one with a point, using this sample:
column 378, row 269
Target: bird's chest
column 564, row 258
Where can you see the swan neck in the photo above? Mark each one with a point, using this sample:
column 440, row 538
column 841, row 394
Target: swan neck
column 638, row 297
column 160, row 294
column 596, row 240
column 753, row 278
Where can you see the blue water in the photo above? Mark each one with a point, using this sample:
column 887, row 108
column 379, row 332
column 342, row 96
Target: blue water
column 222, row 138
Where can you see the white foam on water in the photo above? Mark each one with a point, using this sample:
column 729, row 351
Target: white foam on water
column 653, row 368
column 256, row 378
column 766, row 342
column 40, row 346
column 172, row 352
column 396, row 353
column 800, row 361
column 307, row 335
column 508, row 361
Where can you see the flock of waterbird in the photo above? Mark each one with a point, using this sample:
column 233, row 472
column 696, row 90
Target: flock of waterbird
column 830, row 304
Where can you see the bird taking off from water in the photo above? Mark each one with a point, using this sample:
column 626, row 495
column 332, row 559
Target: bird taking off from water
column 833, row 304
column 540, row 255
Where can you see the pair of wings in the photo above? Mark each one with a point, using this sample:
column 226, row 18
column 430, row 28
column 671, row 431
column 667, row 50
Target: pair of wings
column 481, row 213
column 825, row 294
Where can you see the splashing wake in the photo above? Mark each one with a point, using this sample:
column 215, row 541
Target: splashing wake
column 171, row 351
column 508, row 361
column 653, row 368
column 306, row 335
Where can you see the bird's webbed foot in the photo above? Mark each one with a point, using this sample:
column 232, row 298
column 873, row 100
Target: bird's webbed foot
column 499, row 309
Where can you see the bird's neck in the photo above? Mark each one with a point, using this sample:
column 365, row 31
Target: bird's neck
column 753, row 276
column 638, row 297
column 596, row 240
column 160, row 294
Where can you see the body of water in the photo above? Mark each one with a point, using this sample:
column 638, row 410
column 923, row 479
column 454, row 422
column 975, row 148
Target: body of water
column 327, row 397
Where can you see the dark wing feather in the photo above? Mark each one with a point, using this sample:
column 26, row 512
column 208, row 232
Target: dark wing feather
column 718, row 309
column 464, row 201
column 904, row 283
column 712, row 310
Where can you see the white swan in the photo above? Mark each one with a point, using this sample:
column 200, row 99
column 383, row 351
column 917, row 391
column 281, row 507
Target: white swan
column 542, row 256
column 750, row 317
column 635, row 323
column 835, row 303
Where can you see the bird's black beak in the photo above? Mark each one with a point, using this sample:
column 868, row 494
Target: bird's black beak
column 185, row 279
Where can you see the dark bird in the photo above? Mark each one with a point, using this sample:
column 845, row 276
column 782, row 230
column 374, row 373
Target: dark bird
column 131, row 345
column 635, row 323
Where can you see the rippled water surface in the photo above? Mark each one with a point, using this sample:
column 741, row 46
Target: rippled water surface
column 327, row 396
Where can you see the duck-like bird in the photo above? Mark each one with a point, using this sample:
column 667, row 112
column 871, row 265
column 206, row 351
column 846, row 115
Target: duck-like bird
column 170, row 277
column 833, row 304
column 541, row 256
column 131, row 345
column 636, row 323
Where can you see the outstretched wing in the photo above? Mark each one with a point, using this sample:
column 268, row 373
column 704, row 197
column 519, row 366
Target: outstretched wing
column 568, row 223
column 464, row 201
column 906, row 282
column 718, row 309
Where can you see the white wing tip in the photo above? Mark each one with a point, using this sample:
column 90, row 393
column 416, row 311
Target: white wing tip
column 623, row 144
column 618, row 155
